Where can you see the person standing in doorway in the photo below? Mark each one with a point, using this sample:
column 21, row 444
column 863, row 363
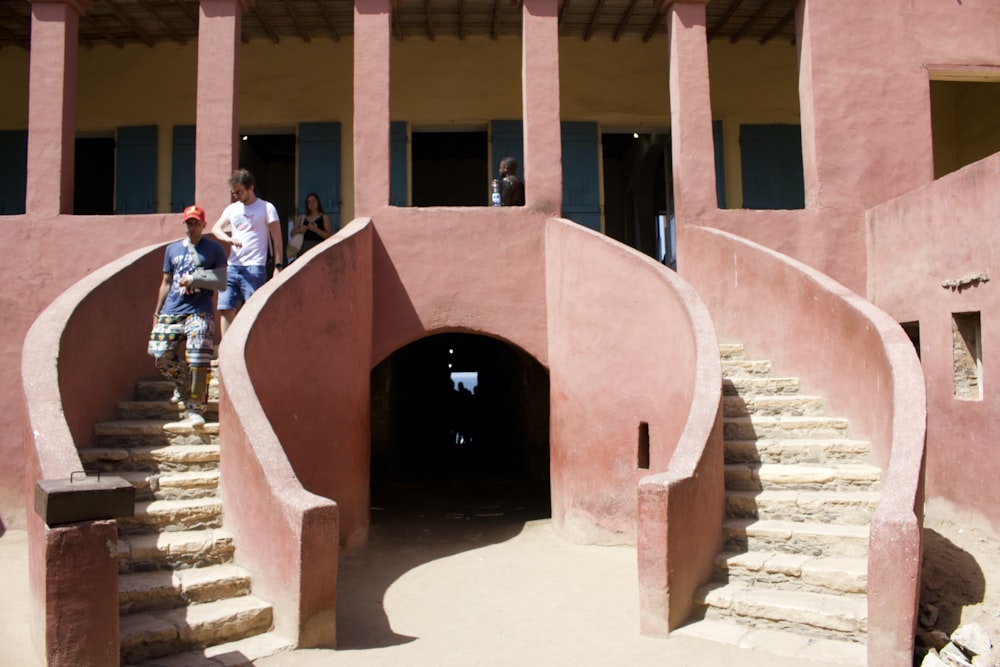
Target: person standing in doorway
column 314, row 224
column 511, row 187
column 247, row 224
column 185, row 315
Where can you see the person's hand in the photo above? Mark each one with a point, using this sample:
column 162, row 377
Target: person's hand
column 184, row 280
column 237, row 243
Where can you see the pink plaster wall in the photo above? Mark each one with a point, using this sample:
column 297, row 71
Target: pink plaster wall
column 946, row 231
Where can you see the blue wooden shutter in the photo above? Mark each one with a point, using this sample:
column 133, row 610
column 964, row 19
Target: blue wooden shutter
column 135, row 170
column 397, row 163
column 507, row 137
column 13, row 171
column 720, row 165
column 581, row 188
column 182, row 168
column 319, row 167
column 772, row 166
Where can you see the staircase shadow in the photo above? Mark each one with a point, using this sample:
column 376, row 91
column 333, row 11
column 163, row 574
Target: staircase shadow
column 951, row 579
column 419, row 523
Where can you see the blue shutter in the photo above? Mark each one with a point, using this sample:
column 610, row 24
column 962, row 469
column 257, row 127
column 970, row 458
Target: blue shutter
column 720, row 169
column 182, row 168
column 397, row 163
column 508, row 141
column 319, row 167
column 135, row 170
column 13, row 171
column 581, row 188
column 772, row 166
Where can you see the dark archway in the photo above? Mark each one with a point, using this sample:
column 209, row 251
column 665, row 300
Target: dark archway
column 430, row 433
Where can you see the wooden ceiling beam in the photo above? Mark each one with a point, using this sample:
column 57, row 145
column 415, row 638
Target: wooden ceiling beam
column 266, row 25
column 593, row 21
column 397, row 27
column 623, row 24
column 751, row 22
column 653, row 25
column 721, row 23
column 429, row 20
column 495, row 31
column 330, row 26
column 778, row 28
column 461, row 19
column 129, row 23
column 303, row 33
column 174, row 35
column 90, row 20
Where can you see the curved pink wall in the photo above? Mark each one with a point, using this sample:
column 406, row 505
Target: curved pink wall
column 863, row 365
column 939, row 233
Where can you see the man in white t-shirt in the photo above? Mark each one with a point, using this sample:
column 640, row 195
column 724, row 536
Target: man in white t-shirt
column 246, row 224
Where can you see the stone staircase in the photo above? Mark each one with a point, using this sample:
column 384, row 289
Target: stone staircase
column 183, row 601
column 792, row 576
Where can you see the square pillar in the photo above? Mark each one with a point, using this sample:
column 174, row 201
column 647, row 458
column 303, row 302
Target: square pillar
column 372, row 35
column 217, row 115
column 692, row 147
column 540, row 100
column 52, row 105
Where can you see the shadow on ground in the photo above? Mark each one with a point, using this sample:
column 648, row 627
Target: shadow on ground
column 950, row 580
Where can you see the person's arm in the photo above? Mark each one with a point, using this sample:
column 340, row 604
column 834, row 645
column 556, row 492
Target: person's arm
column 274, row 229
column 300, row 225
column 221, row 229
column 161, row 296
column 325, row 227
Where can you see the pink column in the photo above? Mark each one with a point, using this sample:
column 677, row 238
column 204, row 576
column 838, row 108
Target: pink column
column 52, row 105
column 371, row 105
column 690, row 110
column 540, row 99
column 217, row 115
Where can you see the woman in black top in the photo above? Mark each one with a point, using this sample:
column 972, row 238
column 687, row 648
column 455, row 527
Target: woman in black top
column 314, row 224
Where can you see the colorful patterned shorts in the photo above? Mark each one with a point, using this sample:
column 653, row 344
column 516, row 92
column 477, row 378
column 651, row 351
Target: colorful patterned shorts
column 196, row 331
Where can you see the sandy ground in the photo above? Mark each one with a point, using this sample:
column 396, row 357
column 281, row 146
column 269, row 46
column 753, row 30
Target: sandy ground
column 490, row 584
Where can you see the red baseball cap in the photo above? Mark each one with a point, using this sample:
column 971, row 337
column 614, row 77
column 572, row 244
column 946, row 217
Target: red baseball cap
column 195, row 213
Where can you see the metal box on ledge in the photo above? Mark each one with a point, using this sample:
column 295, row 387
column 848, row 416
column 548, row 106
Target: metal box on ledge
column 83, row 497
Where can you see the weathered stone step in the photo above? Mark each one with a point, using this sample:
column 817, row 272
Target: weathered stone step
column 817, row 613
column 750, row 428
column 156, row 389
column 239, row 653
column 172, row 515
column 148, row 591
column 805, row 450
column 847, row 576
column 169, row 485
column 150, row 634
column 151, row 459
column 807, row 477
column 152, row 432
column 826, row 507
column 794, row 405
column 735, row 367
column 159, row 410
column 143, row 552
column 813, row 539
column 751, row 385
column 808, row 650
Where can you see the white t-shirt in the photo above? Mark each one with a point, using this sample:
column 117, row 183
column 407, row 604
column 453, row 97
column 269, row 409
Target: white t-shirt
column 249, row 224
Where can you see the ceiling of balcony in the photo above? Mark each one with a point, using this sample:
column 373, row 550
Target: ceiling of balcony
column 120, row 22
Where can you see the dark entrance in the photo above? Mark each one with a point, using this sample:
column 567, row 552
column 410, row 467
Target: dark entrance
column 271, row 160
column 637, row 189
column 450, row 168
column 490, row 432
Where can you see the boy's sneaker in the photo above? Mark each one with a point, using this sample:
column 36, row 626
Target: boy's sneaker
column 176, row 396
column 196, row 420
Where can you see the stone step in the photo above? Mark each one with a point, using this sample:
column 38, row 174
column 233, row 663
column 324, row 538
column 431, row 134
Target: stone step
column 144, row 552
column 173, row 515
column 751, row 385
column 806, row 477
column 846, row 576
column 801, row 450
column 738, row 367
column 160, row 410
column 813, row 651
column 813, row 539
column 169, row 485
column 157, row 389
column 817, row 614
column 825, row 507
column 151, row 459
column 794, row 405
column 152, row 432
column 158, row 633
column 239, row 653
column 751, row 428
column 148, row 591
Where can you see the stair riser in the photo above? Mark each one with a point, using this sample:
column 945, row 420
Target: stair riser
column 137, row 649
column 830, row 452
column 817, row 626
column 160, row 410
column 732, row 368
column 169, row 597
column 746, row 430
column 153, row 460
column 818, row 546
column 837, row 513
column 196, row 519
column 750, row 386
column 843, row 585
column 744, row 406
column 175, row 561
column 161, row 390
column 744, row 480
column 158, row 439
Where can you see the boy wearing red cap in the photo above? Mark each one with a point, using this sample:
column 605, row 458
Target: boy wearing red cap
column 185, row 313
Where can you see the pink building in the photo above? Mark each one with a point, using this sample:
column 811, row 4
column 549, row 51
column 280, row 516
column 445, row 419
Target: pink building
column 831, row 172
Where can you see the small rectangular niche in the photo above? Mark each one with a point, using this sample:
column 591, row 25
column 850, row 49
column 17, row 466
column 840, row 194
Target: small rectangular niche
column 912, row 330
column 967, row 356
column 642, row 458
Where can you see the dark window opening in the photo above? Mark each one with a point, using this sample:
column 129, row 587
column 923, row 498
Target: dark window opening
column 638, row 196
column 271, row 160
column 94, row 176
column 643, row 454
column 965, row 126
column 450, row 168
column 912, row 330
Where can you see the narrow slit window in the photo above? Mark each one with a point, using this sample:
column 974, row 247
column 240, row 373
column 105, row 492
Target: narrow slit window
column 643, row 449
column 912, row 330
column 967, row 355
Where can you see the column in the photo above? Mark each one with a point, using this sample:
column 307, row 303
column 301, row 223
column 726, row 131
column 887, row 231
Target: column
column 540, row 100
column 690, row 110
column 372, row 34
column 217, row 115
column 52, row 105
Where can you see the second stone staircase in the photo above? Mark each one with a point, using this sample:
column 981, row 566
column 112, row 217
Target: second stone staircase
column 182, row 599
column 792, row 576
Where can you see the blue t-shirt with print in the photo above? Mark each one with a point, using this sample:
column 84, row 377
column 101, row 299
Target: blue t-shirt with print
column 177, row 262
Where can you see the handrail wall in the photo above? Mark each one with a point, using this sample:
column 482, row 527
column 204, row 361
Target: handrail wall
column 804, row 320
